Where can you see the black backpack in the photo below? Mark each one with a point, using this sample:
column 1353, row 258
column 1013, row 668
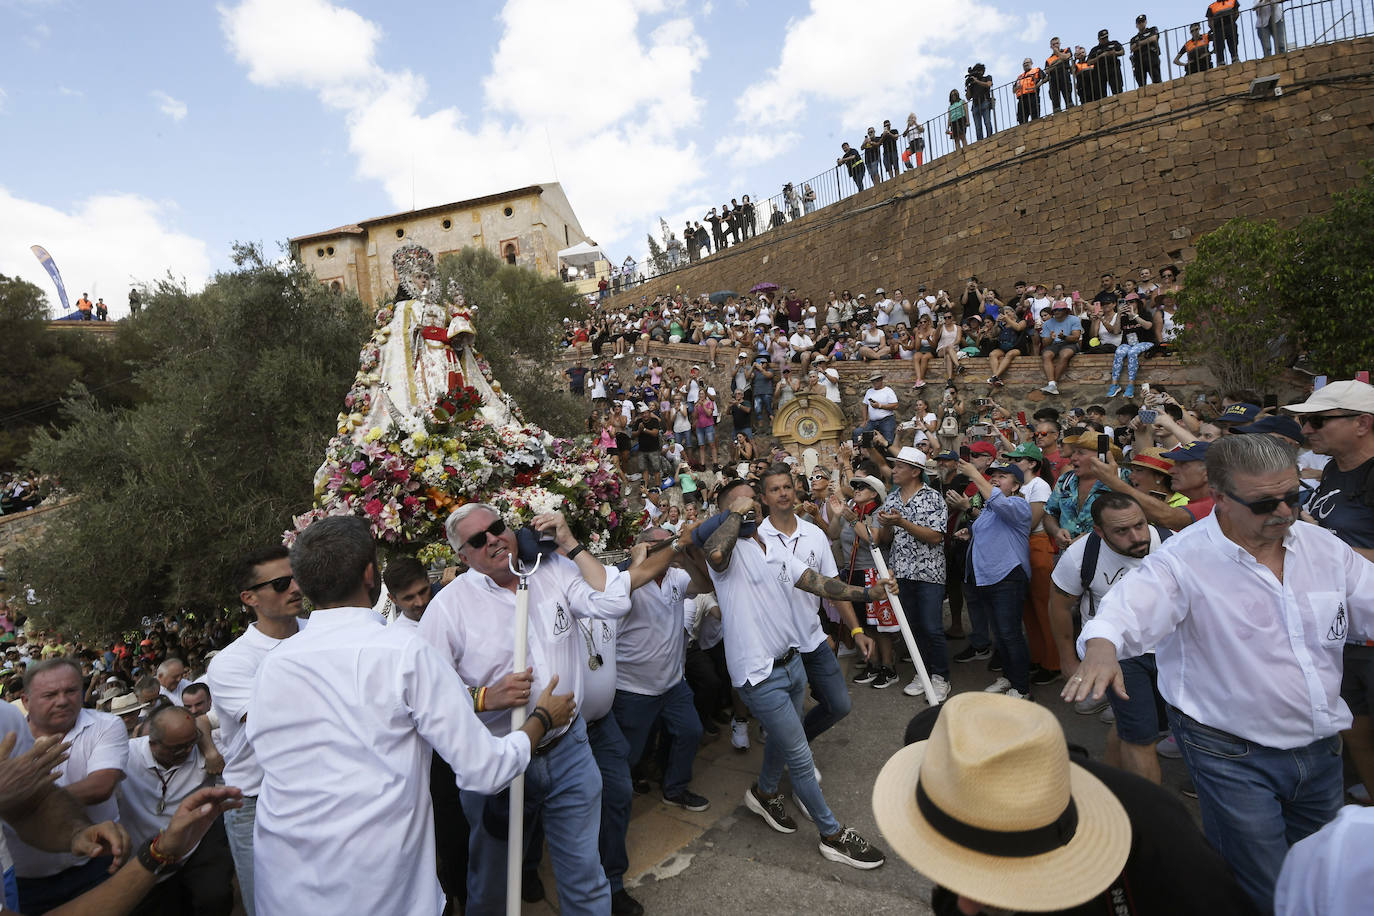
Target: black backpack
column 1091, row 551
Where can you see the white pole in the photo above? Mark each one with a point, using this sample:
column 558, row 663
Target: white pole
column 515, row 846
column 905, row 627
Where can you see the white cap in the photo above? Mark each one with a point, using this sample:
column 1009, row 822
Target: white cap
column 710, row 392
column 1347, row 395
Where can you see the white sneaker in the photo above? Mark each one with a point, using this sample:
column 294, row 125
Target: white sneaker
column 739, row 734
column 1050, row 388
column 915, row 688
column 1016, row 694
column 1001, row 685
column 941, row 687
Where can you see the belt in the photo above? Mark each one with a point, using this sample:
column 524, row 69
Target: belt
column 786, row 657
column 548, row 746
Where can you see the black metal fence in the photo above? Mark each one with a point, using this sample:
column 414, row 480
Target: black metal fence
column 1303, row 25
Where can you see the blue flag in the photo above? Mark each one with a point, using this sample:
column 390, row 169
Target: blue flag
column 50, row 265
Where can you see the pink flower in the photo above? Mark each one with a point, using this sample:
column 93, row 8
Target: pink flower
column 366, row 481
column 373, row 507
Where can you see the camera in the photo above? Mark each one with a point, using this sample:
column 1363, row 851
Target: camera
column 866, row 438
column 981, row 402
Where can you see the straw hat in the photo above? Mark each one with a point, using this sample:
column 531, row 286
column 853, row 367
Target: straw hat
column 994, row 766
column 125, row 704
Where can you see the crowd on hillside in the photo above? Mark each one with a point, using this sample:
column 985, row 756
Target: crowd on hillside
column 24, row 490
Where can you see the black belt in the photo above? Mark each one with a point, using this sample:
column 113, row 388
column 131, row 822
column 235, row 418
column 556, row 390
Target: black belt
column 548, row 746
column 786, row 657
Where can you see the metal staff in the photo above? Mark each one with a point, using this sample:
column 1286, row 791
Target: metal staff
column 905, row 627
column 515, row 846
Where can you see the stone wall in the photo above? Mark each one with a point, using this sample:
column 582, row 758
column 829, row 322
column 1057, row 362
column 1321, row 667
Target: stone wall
column 1127, row 181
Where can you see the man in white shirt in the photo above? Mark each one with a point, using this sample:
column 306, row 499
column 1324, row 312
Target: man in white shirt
column 164, row 767
column 1124, row 538
column 343, row 720
column 882, row 308
column 471, row 624
column 803, row 348
column 171, row 678
column 267, row 587
column 763, row 640
column 408, row 584
column 1248, row 611
column 94, row 767
column 880, row 404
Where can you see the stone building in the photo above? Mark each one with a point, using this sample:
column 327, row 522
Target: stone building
column 526, row 226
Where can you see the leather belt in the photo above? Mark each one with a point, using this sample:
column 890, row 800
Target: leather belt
column 548, row 746
column 786, row 657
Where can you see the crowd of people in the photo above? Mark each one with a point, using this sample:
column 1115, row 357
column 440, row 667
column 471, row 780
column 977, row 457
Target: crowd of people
column 24, row 490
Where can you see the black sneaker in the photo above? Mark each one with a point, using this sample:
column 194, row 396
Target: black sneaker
column 687, row 799
column 1042, row 676
column 995, row 663
column 531, row 887
column 849, row 848
column 865, row 674
column 622, row 904
column 886, row 678
column 641, row 786
column 971, row 654
column 770, row 809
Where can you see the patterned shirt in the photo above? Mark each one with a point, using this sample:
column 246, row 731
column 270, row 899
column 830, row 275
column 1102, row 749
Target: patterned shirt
column 911, row 557
column 1063, row 504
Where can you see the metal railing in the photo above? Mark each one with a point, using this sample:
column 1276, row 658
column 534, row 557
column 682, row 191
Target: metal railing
column 1304, row 25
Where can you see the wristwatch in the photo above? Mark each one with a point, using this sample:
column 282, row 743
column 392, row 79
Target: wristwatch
column 146, row 859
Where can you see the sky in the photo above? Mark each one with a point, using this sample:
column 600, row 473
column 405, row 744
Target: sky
column 140, row 139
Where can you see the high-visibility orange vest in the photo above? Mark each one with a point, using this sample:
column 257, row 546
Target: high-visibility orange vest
column 1216, row 7
column 1054, row 60
column 1082, row 67
column 1026, row 82
column 1194, row 44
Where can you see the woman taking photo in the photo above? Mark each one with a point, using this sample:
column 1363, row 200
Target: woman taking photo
column 997, row 574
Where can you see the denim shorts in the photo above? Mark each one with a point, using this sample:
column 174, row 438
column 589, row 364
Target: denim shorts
column 1140, row 719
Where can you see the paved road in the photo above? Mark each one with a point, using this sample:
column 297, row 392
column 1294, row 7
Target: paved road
column 727, row 859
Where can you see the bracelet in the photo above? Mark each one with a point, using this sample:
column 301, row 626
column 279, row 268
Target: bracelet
column 479, row 700
column 159, row 857
column 856, row 631
column 544, row 718
column 577, row 548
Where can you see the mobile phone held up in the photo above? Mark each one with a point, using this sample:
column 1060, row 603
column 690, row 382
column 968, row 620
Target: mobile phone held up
column 1104, row 446
column 1148, row 416
column 965, row 454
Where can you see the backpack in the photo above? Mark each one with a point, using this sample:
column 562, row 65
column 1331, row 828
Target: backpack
column 1091, row 551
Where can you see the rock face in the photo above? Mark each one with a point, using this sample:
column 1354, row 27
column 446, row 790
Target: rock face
column 1129, row 181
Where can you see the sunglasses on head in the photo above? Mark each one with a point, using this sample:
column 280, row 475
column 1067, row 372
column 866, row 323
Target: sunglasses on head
column 1317, row 421
column 1269, row 504
column 279, row 584
column 496, row 529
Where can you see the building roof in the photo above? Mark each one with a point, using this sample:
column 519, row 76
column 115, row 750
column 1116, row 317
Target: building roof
column 361, row 228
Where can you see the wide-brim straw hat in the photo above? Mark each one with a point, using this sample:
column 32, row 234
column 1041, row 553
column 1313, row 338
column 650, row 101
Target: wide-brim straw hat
column 996, row 773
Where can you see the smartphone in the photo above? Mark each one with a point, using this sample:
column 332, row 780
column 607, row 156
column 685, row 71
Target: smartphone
column 1145, row 389
column 964, row 453
column 981, row 402
column 1271, row 402
column 1148, row 416
column 1104, row 446
column 1319, row 382
column 1362, row 376
column 1021, row 417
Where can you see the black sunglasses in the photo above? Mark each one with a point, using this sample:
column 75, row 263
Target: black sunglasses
column 1317, row 421
column 496, row 529
column 279, row 584
column 1269, row 504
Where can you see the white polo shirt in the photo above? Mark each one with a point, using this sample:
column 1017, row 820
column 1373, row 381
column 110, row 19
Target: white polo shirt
column 472, row 623
column 99, row 742
column 343, row 720
column 755, row 602
column 809, row 544
column 598, row 685
column 231, row 677
column 652, row 645
column 147, row 785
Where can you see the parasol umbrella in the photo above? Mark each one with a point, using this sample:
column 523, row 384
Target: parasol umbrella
column 764, row 287
column 718, row 297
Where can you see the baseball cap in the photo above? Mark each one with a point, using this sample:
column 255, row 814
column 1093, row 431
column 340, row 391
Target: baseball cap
column 1193, row 451
column 1239, row 413
column 1283, row 426
column 1060, row 305
column 874, row 375
column 1026, row 450
column 880, row 290
column 1004, row 468
column 983, row 448
column 947, row 455
column 1347, row 395
column 1140, row 18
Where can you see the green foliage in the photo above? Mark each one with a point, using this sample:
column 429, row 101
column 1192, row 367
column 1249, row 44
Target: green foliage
column 239, row 396
column 41, row 365
column 1232, row 304
column 1328, row 278
column 657, row 256
column 519, row 319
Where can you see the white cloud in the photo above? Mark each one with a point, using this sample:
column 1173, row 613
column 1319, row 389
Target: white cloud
column 102, row 246
column 172, row 108
column 752, row 149
column 556, row 110
column 832, row 56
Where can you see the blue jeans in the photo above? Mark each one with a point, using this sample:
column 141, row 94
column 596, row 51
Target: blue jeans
column 982, row 115
column 829, row 689
column 1257, row 801
column 885, row 425
column 635, row 713
column 612, row 753
column 1130, row 355
column 763, row 407
column 1001, row 605
column 1273, row 32
column 565, row 785
column 922, row 603
column 238, row 825
column 776, row 702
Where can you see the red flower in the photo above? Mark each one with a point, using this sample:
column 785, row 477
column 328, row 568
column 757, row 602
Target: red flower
column 365, row 481
column 373, row 507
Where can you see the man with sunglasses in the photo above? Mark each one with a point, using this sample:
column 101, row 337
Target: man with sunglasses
column 1338, row 420
column 267, row 588
column 472, row 623
column 1247, row 612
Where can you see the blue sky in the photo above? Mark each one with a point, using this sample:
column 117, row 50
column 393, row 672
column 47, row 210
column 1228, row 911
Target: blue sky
column 142, row 138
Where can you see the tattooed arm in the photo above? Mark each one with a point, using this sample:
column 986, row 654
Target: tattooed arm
column 720, row 546
column 826, row 587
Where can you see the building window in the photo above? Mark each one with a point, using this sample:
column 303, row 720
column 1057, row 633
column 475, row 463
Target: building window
column 400, row 233
column 319, row 252
column 508, row 211
column 447, row 224
column 510, row 254
column 329, row 251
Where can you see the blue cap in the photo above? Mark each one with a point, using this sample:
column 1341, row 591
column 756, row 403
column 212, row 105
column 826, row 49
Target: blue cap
column 1013, row 469
column 1193, row 451
column 947, row 455
column 1239, row 413
column 1283, row 426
